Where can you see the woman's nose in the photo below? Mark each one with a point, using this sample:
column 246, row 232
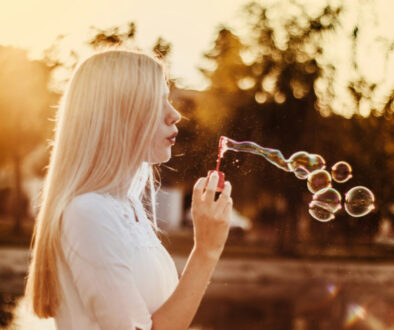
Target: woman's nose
column 174, row 117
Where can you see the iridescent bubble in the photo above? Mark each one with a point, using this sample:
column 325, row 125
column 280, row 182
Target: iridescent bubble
column 319, row 211
column 359, row 201
column 303, row 163
column 318, row 180
column 316, row 162
column 299, row 159
column 328, row 198
column 341, row 172
column 301, row 173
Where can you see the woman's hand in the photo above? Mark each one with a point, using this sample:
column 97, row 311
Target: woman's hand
column 211, row 218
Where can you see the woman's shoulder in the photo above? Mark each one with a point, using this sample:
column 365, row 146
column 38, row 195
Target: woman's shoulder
column 92, row 230
column 88, row 198
column 89, row 207
column 89, row 201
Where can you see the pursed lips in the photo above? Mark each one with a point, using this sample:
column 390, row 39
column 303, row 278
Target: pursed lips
column 172, row 138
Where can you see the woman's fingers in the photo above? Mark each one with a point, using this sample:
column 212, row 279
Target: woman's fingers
column 224, row 196
column 227, row 189
column 228, row 209
column 198, row 189
column 211, row 187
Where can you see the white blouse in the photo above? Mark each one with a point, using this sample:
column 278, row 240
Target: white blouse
column 117, row 273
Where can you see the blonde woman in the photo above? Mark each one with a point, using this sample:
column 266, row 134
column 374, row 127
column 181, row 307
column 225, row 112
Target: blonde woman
column 97, row 262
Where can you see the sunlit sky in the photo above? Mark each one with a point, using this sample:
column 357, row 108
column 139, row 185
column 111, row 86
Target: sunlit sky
column 190, row 26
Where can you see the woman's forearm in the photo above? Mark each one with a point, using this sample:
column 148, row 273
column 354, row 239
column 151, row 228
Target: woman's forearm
column 178, row 311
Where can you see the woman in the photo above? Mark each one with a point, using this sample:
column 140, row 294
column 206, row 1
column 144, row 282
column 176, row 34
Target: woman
column 97, row 262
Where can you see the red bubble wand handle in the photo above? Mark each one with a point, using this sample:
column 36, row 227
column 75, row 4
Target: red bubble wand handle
column 221, row 175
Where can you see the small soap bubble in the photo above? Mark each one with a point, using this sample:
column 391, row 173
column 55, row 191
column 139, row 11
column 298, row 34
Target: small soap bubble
column 298, row 159
column 318, row 180
column 316, row 162
column 330, row 198
column 308, row 162
column 359, row 201
column 319, row 212
column 341, row 172
column 301, row 173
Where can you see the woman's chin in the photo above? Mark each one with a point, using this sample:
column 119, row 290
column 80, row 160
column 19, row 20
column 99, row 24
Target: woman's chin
column 163, row 158
column 167, row 158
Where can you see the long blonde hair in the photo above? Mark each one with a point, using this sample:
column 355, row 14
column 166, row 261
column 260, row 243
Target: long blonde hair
column 105, row 122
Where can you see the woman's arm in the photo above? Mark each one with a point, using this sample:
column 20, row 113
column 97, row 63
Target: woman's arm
column 178, row 311
column 211, row 221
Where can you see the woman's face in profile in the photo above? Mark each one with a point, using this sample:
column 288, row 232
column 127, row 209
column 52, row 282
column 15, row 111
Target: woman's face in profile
column 166, row 132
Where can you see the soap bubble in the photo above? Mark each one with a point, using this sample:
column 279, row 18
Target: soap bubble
column 319, row 211
column 303, row 163
column 316, row 162
column 318, row 180
column 301, row 173
column 329, row 198
column 341, row 172
column 299, row 159
column 359, row 201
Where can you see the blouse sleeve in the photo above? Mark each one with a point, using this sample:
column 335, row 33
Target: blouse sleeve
column 99, row 265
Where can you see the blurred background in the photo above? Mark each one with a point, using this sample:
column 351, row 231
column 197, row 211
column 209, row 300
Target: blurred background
column 291, row 75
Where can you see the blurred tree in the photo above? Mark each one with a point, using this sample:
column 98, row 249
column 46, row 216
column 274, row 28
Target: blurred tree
column 286, row 48
column 229, row 73
column 24, row 111
column 161, row 48
column 115, row 36
column 264, row 89
column 205, row 113
column 271, row 99
column 112, row 36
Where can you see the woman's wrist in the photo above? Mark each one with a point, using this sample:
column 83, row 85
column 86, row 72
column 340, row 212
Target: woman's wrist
column 206, row 255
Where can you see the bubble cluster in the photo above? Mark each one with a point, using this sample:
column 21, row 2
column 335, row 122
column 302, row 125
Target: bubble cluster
column 326, row 201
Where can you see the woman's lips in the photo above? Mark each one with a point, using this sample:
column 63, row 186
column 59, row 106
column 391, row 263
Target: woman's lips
column 172, row 138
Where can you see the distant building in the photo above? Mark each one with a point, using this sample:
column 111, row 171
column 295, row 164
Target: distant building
column 169, row 208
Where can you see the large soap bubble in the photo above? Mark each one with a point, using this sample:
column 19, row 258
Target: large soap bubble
column 359, row 201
